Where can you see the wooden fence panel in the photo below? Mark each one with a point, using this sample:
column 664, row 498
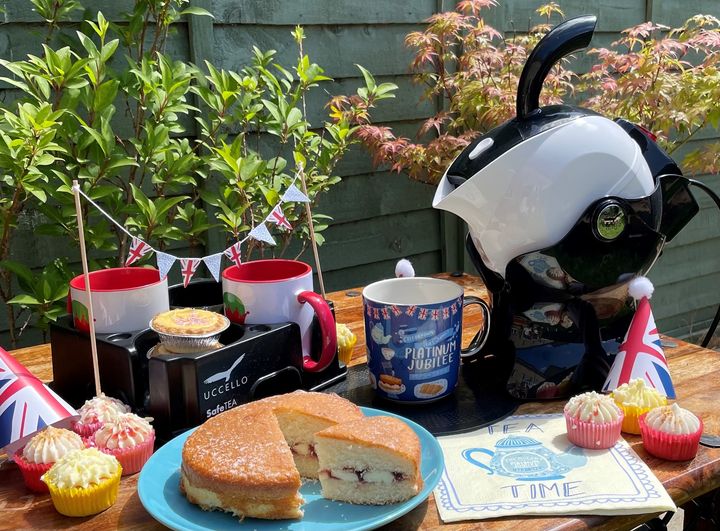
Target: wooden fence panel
column 381, row 217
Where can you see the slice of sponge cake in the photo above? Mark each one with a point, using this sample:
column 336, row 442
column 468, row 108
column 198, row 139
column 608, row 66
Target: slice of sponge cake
column 373, row 460
column 301, row 415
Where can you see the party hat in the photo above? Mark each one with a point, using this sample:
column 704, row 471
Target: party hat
column 26, row 405
column 641, row 354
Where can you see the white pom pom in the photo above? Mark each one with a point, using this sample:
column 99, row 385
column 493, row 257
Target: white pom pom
column 640, row 287
column 404, row 269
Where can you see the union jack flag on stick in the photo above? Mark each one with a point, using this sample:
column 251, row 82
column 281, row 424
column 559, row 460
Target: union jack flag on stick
column 641, row 355
column 26, row 405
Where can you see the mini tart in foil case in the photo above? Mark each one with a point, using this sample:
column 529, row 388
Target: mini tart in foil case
column 191, row 344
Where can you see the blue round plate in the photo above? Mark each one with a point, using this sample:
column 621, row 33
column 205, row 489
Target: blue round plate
column 158, row 488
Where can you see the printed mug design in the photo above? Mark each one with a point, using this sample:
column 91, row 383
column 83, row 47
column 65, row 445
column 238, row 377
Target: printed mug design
column 81, row 316
column 526, row 459
column 234, row 308
column 414, row 351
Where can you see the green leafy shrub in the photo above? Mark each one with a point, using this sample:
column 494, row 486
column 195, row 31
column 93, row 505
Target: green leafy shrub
column 665, row 79
column 168, row 148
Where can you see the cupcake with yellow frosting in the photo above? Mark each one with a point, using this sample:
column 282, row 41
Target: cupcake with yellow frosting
column 636, row 398
column 129, row 438
column 96, row 412
column 671, row 432
column 83, row 482
column 42, row 451
column 593, row 420
column 346, row 342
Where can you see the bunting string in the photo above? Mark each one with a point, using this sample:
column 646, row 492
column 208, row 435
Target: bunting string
column 189, row 266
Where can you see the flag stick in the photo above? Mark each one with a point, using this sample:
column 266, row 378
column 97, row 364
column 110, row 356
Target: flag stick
column 86, row 275
column 308, row 213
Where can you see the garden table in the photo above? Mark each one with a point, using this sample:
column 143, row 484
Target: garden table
column 696, row 374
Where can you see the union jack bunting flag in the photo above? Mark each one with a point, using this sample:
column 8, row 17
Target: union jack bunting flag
column 435, row 315
column 188, row 267
column 26, row 404
column 411, row 310
column 454, row 308
column 376, row 313
column 641, row 356
column 138, row 249
column 446, row 313
column 422, row 314
column 395, row 310
column 385, row 313
column 234, row 253
column 368, row 311
column 277, row 217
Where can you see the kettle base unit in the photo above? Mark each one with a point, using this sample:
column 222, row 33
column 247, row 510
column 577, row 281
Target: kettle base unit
column 564, row 208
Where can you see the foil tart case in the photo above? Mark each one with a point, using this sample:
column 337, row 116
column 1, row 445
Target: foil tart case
column 191, row 344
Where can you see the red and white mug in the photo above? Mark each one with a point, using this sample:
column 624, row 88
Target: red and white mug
column 124, row 299
column 277, row 291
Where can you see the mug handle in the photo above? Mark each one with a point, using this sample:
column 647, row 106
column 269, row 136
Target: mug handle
column 478, row 342
column 327, row 328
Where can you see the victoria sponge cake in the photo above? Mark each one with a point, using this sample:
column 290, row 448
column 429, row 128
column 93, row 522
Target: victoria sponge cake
column 248, row 460
column 373, row 460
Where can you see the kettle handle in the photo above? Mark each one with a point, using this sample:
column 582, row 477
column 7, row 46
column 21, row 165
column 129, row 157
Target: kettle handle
column 565, row 38
column 467, row 455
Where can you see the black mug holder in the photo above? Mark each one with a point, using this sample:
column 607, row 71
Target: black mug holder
column 182, row 390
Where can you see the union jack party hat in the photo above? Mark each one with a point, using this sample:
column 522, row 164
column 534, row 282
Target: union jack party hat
column 26, row 405
column 641, row 354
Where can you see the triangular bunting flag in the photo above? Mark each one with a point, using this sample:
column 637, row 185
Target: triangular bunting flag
column 295, row 195
column 212, row 262
column 138, row 249
column 233, row 253
column 261, row 233
column 164, row 262
column 278, row 218
column 188, row 267
column 641, row 356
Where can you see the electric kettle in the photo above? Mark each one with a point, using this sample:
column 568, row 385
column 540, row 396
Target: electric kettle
column 564, row 207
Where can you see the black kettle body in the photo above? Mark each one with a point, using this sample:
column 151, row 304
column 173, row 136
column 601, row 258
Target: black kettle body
column 565, row 208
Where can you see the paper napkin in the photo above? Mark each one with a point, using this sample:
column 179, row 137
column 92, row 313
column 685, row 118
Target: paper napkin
column 525, row 465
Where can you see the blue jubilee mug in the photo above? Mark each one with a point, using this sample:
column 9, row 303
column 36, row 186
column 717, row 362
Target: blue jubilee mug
column 413, row 332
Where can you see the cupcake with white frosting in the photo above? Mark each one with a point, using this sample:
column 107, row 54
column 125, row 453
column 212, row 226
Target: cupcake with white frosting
column 671, row 432
column 42, row 451
column 96, row 412
column 593, row 420
column 129, row 438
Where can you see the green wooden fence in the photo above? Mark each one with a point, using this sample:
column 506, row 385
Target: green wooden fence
column 380, row 216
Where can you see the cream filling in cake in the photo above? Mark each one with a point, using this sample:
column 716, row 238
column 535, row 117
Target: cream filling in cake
column 362, row 476
column 253, row 507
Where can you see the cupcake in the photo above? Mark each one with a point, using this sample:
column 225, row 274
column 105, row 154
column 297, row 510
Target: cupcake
column 42, row 451
column 671, row 432
column 346, row 342
column 593, row 420
column 95, row 412
column 129, row 438
column 636, row 398
column 83, row 482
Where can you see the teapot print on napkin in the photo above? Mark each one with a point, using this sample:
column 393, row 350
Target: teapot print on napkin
column 526, row 459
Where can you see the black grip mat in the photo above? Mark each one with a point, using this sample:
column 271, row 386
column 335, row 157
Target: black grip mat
column 475, row 403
